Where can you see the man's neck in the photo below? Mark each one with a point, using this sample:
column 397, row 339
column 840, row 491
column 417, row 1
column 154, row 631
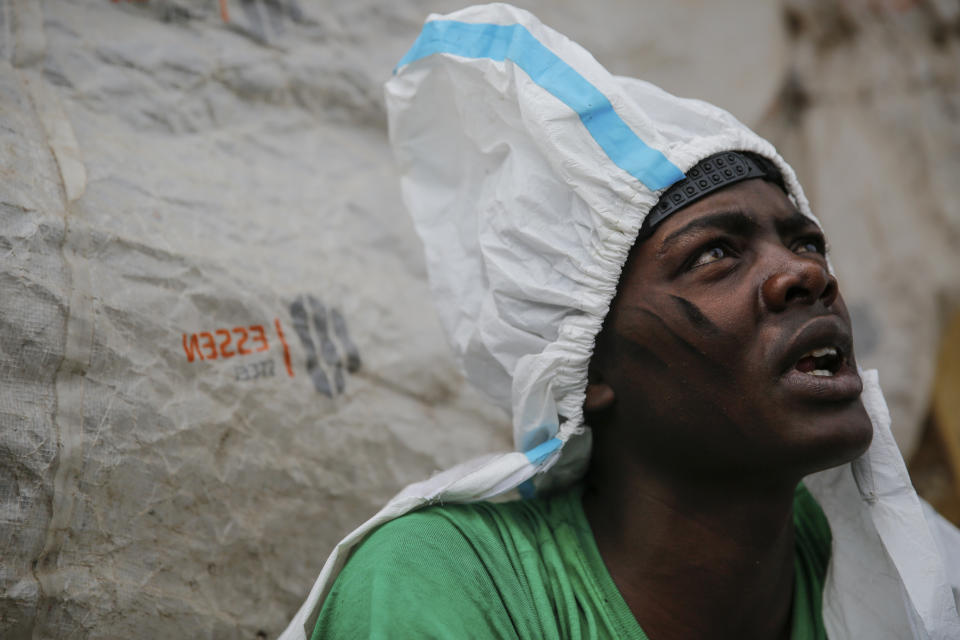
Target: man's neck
column 697, row 561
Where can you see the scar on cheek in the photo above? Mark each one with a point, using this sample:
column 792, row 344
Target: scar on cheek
column 695, row 316
column 710, row 368
column 682, row 342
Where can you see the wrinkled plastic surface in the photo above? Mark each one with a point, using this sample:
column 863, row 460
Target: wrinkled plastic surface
column 217, row 351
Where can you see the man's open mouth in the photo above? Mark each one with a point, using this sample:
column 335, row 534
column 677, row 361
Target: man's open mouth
column 822, row 361
column 819, row 365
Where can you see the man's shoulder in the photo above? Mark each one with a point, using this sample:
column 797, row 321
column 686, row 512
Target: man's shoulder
column 451, row 557
column 433, row 529
column 440, row 531
column 493, row 539
column 499, row 570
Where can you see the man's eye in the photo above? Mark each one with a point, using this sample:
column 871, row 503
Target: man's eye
column 710, row 255
column 811, row 245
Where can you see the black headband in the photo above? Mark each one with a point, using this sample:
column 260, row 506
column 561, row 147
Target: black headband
column 710, row 174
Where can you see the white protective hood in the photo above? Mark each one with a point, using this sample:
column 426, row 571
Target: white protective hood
column 528, row 169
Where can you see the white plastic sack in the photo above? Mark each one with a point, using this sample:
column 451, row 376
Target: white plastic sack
column 217, row 352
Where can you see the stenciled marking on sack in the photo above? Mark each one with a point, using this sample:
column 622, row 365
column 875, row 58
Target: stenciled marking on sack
column 253, row 370
column 330, row 350
column 229, row 342
column 225, row 343
column 286, row 347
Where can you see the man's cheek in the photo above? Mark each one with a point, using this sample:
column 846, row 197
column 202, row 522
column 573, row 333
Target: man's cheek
column 676, row 340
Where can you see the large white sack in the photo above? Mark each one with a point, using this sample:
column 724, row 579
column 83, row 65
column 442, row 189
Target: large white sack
column 168, row 183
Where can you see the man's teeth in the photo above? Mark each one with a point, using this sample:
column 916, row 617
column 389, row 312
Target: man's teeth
column 823, row 356
column 822, row 351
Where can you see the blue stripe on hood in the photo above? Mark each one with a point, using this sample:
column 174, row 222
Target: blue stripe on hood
column 513, row 42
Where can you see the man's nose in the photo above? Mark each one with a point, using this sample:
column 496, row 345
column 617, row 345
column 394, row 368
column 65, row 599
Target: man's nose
column 798, row 280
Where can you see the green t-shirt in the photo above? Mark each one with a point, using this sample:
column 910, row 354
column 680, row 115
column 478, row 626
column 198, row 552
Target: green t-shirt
column 525, row 569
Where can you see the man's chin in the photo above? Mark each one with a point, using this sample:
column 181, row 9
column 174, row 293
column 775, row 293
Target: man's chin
column 834, row 435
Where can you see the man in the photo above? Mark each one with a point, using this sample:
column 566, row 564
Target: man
column 724, row 374
column 611, row 260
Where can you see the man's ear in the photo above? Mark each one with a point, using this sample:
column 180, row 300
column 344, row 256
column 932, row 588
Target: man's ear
column 600, row 396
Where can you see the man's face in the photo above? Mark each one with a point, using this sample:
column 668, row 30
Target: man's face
column 728, row 347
